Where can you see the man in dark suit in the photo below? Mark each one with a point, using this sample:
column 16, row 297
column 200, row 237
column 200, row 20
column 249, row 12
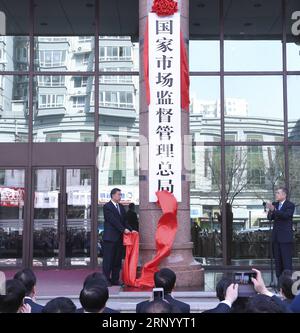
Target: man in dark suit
column 28, row 278
column 166, row 279
column 115, row 225
column 281, row 213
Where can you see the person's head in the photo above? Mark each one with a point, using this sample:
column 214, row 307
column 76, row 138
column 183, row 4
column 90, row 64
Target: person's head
column 263, row 304
column 115, row 194
column 158, row 306
column 166, row 279
column 60, row 305
column 95, row 278
column 281, row 193
column 285, row 284
column 131, row 206
column 13, row 299
column 222, row 286
column 28, row 278
column 93, row 298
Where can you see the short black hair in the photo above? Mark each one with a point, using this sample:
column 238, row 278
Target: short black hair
column 286, row 282
column 222, row 286
column 166, row 279
column 93, row 297
column 158, row 306
column 95, row 278
column 28, row 278
column 263, row 304
column 114, row 191
column 284, row 189
column 13, row 298
column 131, row 205
column 60, row 305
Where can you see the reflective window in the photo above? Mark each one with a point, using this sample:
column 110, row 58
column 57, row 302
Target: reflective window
column 294, row 155
column 252, row 175
column 260, row 55
column 205, row 113
column 293, row 33
column 14, row 108
column 253, row 41
column 12, row 197
column 205, row 204
column 63, row 109
column 293, row 85
column 204, row 45
column 64, row 53
column 253, row 106
column 14, row 53
column 118, row 53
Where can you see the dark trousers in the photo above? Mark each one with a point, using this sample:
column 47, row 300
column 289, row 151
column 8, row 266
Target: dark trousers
column 112, row 260
column 283, row 256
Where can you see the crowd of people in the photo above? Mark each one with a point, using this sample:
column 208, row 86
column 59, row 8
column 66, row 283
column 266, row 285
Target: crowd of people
column 21, row 296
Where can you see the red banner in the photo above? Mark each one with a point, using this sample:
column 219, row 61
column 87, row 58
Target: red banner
column 11, row 196
column 164, row 238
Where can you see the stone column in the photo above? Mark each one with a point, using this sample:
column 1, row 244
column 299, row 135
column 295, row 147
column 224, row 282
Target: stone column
column 189, row 272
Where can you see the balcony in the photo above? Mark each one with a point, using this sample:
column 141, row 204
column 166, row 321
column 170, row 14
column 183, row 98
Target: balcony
column 53, row 111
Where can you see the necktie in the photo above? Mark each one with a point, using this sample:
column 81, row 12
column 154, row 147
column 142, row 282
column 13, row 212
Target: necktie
column 118, row 208
column 280, row 205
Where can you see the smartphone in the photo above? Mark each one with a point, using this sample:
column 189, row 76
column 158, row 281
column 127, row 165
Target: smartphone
column 244, row 280
column 158, row 293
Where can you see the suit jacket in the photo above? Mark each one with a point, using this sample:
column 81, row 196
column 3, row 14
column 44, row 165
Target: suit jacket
column 114, row 223
column 106, row 310
column 220, row 308
column 178, row 306
column 295, row 305
column 35, row 307
column 283, row 222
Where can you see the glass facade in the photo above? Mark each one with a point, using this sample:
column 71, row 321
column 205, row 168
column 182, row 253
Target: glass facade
column 69, row 126
column 244, row 59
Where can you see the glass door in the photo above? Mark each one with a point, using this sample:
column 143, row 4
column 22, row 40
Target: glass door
column 62, row 217
column 78, row 216
column 12, row 197
column 47, row 217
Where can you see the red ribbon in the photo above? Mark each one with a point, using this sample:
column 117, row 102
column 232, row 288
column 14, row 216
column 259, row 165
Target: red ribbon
column 164, row 238
column 184, row 70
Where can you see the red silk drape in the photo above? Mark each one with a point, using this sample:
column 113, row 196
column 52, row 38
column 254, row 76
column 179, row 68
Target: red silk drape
column 184, row 71
column 164, row 238
column 131, row 243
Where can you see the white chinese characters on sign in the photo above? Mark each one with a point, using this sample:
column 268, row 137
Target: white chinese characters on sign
column 165, row 106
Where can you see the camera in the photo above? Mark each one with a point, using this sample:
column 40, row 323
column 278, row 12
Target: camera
column 244, row 280
column 158, row 293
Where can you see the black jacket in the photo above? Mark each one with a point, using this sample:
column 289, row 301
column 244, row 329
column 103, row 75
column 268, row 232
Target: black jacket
column 283, row 222
column 132, row 220
column 114, row 223
column 178, row 306
column 106, row 310
column 220, row 308
column 35, row 307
